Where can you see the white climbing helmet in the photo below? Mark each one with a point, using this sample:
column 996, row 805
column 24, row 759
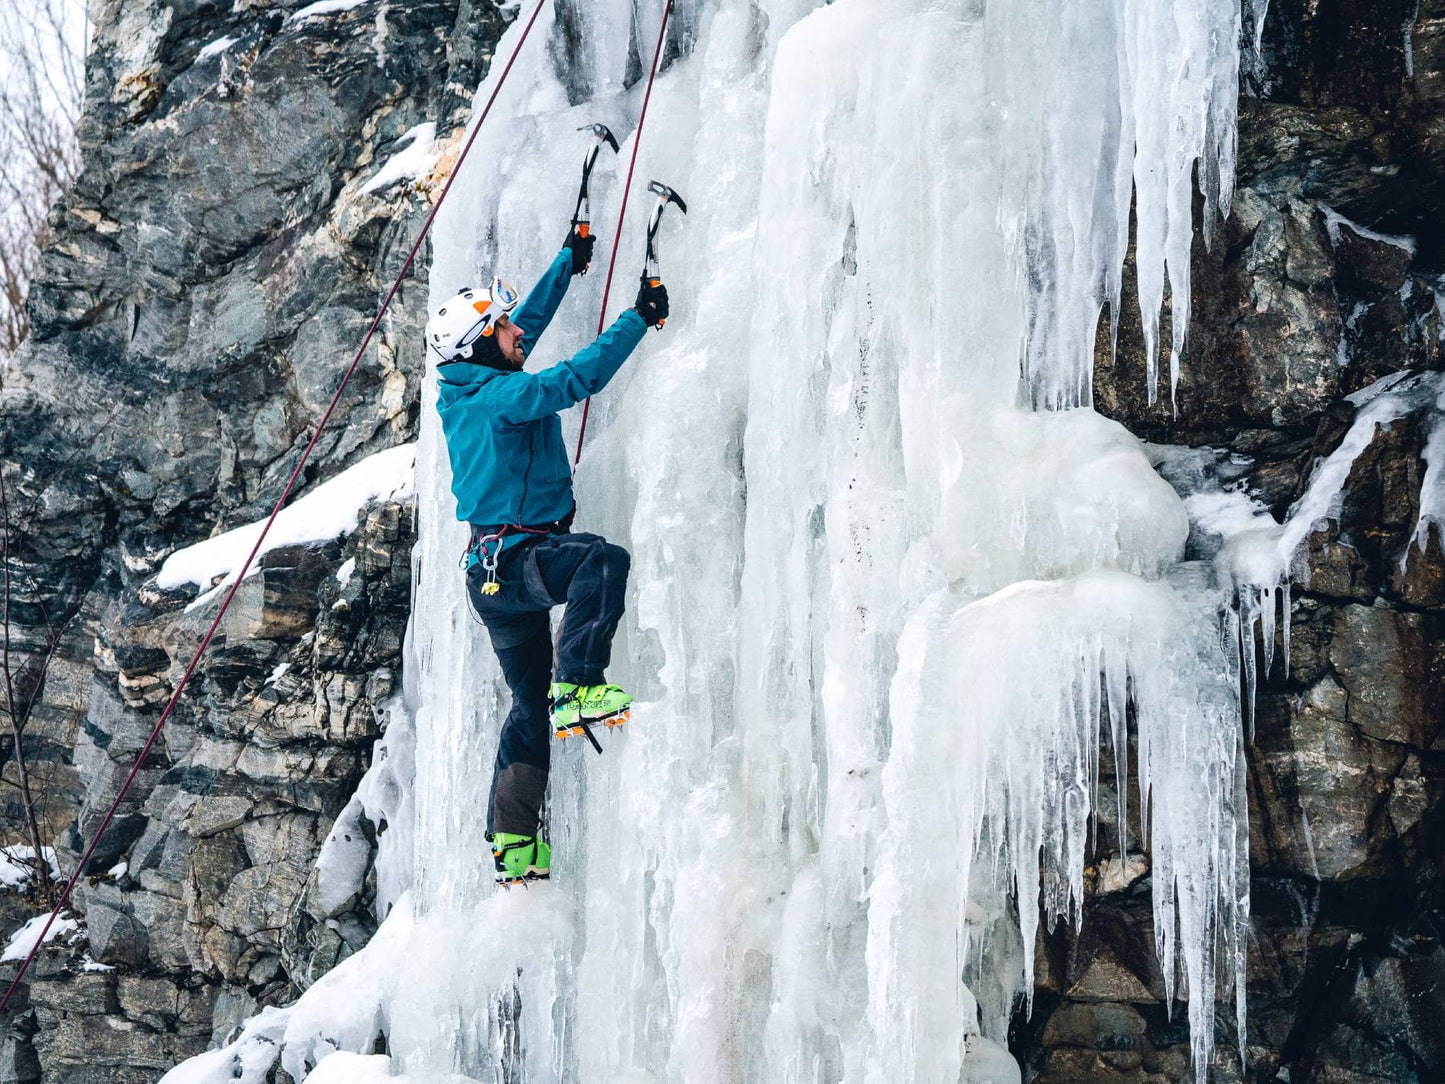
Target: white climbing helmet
column 469, row 316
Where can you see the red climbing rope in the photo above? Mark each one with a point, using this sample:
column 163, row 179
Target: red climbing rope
column 295, row 474
column 627, row 188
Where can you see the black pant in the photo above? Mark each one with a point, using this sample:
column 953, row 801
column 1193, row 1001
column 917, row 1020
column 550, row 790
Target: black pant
column 589, row 575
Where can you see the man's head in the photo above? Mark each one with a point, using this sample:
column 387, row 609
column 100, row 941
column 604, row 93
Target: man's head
column 476, row 326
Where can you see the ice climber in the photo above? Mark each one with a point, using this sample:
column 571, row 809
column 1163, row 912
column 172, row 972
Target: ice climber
column 513, row 485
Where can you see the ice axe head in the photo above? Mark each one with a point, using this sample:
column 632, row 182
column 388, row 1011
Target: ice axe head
column 602, row 134
column 665, row 195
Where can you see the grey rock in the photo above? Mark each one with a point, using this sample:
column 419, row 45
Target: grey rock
column 232, row 1008
column 114, row 935
column 1102, row 1026
column 1325, row 783
column 1382, row 657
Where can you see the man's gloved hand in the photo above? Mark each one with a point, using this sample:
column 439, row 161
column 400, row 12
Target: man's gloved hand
column 581, row 249
column 651, row 303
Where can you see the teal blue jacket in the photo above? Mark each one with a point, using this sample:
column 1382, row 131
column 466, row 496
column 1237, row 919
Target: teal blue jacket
column 504, row 439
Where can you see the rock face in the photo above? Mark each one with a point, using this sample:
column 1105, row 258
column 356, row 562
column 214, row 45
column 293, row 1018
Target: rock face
column 212, row 273
column 1296, row 309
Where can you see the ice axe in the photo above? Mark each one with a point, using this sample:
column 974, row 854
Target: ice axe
column 582, row 216
column 651, row 275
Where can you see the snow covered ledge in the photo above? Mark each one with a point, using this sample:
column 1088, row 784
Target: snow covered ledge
column 330, row 510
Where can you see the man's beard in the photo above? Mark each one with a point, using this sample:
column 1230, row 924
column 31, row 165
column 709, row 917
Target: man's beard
column 487, row 351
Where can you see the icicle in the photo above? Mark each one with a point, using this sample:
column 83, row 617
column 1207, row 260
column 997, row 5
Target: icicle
column 1266, row 616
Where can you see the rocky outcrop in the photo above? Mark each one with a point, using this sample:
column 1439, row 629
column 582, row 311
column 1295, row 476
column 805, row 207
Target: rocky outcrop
column 212, row 273
column 1322, row 281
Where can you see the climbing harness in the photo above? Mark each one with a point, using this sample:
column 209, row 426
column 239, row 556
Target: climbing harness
column 477, row 552
column 622, row 214
column 240, row 575
column 582, row 215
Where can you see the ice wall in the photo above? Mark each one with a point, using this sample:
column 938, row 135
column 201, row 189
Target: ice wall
column 884, row 602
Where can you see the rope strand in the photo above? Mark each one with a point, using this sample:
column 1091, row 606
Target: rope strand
column 295, row 474
column 626, row 189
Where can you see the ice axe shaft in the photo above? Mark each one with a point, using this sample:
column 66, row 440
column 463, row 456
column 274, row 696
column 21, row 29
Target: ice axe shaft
column 582, row 216
column 651, row 272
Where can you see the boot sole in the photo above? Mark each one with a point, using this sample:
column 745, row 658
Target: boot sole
column 615, row 719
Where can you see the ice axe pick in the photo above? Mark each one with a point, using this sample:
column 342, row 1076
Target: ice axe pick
column 582, row 216
column 651, row 274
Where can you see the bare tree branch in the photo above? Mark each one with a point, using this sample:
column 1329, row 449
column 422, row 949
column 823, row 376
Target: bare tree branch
column 41, row 89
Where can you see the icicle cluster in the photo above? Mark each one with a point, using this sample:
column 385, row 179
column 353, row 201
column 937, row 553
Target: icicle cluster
column 1100, row 105
column 999, row 708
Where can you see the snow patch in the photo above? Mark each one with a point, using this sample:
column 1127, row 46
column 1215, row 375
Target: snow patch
column 345, row 855
column 248, row 1060
column 1260, row 563
column 328, row 511
column 418, row 154
column 215, row 48
column 323, row 7
column 1264, row 557
column 341, row 1011
column 344, row 1067
column 384, row 798
column 1334, row 220
column 24, row 939
column 16, row 862
column 343, row 574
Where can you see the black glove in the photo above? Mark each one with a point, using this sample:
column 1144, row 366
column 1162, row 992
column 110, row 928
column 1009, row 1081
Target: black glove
column 651, row 303
column 581, row 249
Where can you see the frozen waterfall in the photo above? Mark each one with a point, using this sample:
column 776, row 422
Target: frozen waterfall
column 887, row 596
column 882, row 603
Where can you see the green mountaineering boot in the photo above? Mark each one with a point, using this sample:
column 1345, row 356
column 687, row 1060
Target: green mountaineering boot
column 520, row 858
column 574, row 705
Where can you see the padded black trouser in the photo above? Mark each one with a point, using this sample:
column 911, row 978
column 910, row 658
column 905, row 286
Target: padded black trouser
column 589, row 575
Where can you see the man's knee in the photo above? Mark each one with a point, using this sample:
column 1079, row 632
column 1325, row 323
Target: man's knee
column 618, row 560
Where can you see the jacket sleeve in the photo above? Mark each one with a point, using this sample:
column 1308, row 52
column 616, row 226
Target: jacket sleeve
column 524, row 397
column 540, row 305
